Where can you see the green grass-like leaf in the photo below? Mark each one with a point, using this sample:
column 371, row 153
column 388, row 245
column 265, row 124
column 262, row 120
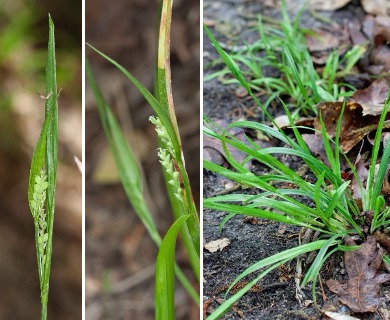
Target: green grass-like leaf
column 165, row 280
column 125, row 160
column 163, row 114
column 330, row 206
column 331, row 210
column 270, row 264
column 163, row 92
column 129, row 171
column 172, row 162
column 286, row 51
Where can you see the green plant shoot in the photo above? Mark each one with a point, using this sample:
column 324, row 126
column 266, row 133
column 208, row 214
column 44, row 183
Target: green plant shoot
column 42, row 180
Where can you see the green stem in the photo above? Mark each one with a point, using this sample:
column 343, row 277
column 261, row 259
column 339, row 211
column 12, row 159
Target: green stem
column 43, row 308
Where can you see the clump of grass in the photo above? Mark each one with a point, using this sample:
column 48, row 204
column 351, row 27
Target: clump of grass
column 42, row 180
column 173, row 166
column 333, row 211
column 284, row 51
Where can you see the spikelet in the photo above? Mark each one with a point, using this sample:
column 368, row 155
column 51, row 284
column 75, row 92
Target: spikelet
column 39, row 214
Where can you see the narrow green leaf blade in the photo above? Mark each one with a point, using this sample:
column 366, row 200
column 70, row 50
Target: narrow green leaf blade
column 125, row 160
column 161, row 112
column 128, row 169
column 51, row 106
column 165, row 273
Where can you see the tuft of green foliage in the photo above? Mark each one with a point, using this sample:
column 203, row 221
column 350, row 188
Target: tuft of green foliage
column 43, row 172
column 284, row 51
column 331, row 208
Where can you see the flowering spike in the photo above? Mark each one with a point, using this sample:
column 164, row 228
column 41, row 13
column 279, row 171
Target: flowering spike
column 39, row 214
column 162, row 133
column 165, row 160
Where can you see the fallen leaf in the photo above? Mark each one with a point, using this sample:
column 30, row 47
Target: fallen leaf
column 241, row 92
column 356, row 33
column 283, row 122
column 214, row 246
column 384, row 313
column 339, row 316
column 354, row 126
column 377, row 30
column 327, row 5
column 386, row 183
column 321, row 41
column 252, row 220
column 213, row 150
column 380, row 58
column 383, row 239
column 316, row 146
column 376, row 7
column 372, row 99
column 307, row 303
column 207, row 307
column 282, row 228
column 361, row 165
column 361, row 292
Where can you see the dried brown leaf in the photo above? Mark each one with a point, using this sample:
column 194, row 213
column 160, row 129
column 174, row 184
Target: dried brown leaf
column 372, row 99
column 315, row 144
column 377, row 31
column 380, row 58
column 339, row 316
column 327, row 5
column 207, row 307
column 214, row 246
column 283, row 122
column 213, row 150
column 383, row 239
column 376, row 7
column 356, row 33
column 354, row 126
column 321, row 41
column 362, row 173
column 361, row 292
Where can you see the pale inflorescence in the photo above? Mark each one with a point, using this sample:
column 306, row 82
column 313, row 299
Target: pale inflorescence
column 39, row 214
column 162, row 133
column 166, row 161
column 165, row 157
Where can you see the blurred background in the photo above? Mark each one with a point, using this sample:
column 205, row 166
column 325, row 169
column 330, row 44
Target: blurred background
column 119, row 253
column 23, row 56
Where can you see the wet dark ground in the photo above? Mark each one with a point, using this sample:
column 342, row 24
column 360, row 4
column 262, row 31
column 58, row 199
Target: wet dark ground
column 251, row 240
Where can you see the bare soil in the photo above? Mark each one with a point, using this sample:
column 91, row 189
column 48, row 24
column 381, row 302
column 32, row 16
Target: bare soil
column 253, row 239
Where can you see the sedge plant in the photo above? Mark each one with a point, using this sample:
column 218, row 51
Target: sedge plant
column 42, row 179
column 330, row 208
column 173, row 167
column 282, row 48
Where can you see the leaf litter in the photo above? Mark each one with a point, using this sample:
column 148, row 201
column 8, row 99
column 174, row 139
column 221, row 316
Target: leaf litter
column 361, row 116
column 361, row 292
column 214, row 246
column 374, row 7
